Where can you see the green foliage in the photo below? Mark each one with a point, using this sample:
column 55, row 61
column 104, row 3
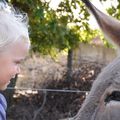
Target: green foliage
column 113, row 10
column 54, row 30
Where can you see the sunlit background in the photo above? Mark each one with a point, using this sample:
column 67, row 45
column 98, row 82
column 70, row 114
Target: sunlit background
column 101, row 6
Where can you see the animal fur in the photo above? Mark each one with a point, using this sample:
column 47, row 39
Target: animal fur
column 94, row 106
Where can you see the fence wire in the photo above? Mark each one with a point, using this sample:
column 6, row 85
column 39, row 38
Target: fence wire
column 45, row 91
column 48, row 90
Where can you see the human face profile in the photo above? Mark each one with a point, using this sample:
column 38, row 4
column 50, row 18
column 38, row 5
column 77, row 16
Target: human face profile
column 10, row 61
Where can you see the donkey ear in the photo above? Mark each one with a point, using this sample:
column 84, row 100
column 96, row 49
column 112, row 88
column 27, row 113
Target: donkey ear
column 109, row 25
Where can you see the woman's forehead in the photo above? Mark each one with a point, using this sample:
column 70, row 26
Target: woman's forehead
column 19, row 49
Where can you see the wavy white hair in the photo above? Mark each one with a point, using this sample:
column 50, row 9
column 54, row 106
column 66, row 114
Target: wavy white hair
column 13, row 26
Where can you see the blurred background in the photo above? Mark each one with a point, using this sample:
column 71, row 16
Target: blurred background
column 67, row 54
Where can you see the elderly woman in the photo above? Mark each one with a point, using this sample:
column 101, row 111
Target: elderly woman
column 14, row 46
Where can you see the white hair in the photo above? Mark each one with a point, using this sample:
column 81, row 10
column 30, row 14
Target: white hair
column 13, row 26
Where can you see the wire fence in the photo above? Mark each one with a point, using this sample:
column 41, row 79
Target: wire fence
column 48, row 90
column 45, row 93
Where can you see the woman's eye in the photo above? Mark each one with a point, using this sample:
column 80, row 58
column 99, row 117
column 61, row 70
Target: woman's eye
column 17, row 62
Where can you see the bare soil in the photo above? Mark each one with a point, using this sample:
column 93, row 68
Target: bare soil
column 42, row 105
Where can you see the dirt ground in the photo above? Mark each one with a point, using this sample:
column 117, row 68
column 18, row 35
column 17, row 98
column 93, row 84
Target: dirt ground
column 49, row 105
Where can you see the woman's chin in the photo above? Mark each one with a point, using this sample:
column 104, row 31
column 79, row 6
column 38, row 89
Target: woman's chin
column 4, row 86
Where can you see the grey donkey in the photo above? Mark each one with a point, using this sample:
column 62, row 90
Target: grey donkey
column 101, row 103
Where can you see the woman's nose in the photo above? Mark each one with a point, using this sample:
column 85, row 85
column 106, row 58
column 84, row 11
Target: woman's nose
column 18, row 70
